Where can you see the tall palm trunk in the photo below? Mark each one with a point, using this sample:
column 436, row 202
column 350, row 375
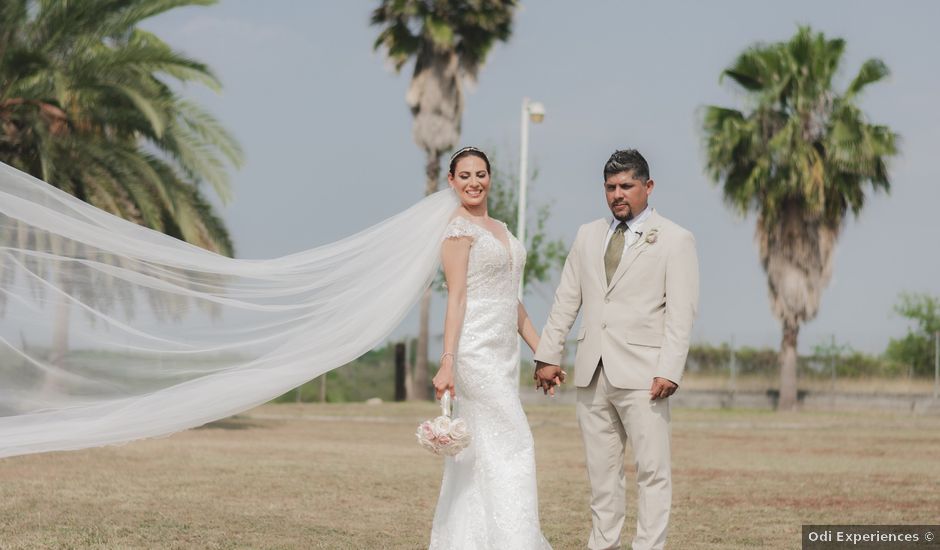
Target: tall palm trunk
column 788, row 364
column 796, row 253
column 422, row 384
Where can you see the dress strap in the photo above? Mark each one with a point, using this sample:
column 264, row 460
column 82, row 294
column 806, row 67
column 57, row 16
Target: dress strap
column 460, row 227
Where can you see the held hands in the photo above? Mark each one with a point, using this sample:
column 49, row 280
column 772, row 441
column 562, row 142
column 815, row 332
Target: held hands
column 662, row 388
column 548, row 376
column 444, row 379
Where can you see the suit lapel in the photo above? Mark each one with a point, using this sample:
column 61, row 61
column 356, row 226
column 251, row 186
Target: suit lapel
column 635, row 250
column 597, row 251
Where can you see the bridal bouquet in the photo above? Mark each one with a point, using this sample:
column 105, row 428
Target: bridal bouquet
column 444, row 435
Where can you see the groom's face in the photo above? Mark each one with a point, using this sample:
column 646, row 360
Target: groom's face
column 627, row 196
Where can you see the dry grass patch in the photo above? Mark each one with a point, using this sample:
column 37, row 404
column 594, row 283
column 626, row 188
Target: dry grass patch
column 351, row 476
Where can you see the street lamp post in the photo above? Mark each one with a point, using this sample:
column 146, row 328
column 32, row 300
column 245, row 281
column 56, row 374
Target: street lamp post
column 536, row 112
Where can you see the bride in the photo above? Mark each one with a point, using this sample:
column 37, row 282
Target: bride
column 488, row 495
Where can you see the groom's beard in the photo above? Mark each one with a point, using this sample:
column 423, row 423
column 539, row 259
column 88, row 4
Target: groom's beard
column 626, row 217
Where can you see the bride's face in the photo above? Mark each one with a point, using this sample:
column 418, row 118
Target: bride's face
column 471, row 180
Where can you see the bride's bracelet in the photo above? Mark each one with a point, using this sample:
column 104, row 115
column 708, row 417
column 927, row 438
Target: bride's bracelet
column 445, row 354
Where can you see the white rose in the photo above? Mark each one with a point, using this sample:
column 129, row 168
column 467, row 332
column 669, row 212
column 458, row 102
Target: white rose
column 441, row 425
column 458, row 430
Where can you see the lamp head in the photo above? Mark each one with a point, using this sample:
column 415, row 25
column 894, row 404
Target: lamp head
column 536, row 112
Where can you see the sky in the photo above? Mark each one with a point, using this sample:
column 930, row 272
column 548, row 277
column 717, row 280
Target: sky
column 327, row 135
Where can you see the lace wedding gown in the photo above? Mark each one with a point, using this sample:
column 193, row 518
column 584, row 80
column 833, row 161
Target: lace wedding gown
column 488, row 495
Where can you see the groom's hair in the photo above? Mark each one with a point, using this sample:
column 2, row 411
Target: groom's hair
column 625, row 160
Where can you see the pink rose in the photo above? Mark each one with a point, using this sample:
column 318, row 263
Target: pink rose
column 425, row 431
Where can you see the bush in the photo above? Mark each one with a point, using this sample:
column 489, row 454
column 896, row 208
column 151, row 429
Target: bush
column 371, row 375
column 710, row 359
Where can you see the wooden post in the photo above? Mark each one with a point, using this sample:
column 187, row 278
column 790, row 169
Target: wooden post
column 400, row 393
column 832, row 360
column 734, row 368
column 936, row 366
column 409, row 371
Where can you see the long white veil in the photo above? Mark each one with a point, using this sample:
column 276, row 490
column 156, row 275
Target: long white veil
column 110, row 331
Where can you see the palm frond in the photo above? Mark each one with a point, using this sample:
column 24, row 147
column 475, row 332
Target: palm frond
column 84, row 105
column 872, row 70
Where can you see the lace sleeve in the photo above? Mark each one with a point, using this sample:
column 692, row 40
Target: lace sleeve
column 459, row 227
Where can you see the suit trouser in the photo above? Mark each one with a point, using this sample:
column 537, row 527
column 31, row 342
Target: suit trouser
column 608, row 416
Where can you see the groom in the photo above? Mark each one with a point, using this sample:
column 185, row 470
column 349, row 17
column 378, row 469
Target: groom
column 635, row 280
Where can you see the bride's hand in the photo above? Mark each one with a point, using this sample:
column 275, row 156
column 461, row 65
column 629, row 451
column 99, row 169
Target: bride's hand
column 444, row 379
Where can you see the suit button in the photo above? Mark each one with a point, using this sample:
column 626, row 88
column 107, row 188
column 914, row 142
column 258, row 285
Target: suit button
column 606, row 300
column 603, row 325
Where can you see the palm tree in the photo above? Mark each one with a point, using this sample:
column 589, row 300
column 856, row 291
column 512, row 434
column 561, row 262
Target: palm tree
column 86, row 105
column 449, row 41
column 801, row 156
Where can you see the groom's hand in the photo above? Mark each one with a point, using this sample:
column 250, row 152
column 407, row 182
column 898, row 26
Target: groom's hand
column 548, row 376
column 662, row 388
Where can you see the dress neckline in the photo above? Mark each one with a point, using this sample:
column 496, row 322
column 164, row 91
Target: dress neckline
column 507, row 246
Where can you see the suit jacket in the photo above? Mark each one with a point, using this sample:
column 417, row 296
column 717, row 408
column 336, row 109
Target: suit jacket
column 641, row 323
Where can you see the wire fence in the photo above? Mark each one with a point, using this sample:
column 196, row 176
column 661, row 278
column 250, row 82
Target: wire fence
column 832, row 368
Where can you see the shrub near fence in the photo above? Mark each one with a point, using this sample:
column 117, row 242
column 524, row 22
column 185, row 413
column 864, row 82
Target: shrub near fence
column 709, row 359
column 372, row 375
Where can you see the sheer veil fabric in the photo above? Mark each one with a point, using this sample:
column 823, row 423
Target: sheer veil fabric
column 110, row 331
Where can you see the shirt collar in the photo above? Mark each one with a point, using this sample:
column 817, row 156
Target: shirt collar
column 636, row 222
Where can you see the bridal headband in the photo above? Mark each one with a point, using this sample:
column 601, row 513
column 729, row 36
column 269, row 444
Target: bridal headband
column 463, row 150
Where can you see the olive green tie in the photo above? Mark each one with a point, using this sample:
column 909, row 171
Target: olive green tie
column 614, row 251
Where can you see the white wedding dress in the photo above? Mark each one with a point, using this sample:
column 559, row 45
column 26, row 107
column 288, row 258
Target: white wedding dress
column 489, row 497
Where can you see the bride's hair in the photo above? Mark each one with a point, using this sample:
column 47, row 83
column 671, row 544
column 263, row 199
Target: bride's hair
column 467, row 152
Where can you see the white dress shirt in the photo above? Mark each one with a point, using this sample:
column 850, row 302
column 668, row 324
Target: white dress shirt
column 634, row 229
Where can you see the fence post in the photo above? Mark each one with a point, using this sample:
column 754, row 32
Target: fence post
column 936, row 366
column 734, row 369
column 832, row 361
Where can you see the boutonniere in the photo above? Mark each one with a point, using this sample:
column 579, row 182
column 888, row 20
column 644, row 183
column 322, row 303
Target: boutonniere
column 651, row 236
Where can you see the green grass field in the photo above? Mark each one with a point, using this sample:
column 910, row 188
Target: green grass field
column 352, row 476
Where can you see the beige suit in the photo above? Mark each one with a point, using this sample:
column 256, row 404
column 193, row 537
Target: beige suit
column 632, row 330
